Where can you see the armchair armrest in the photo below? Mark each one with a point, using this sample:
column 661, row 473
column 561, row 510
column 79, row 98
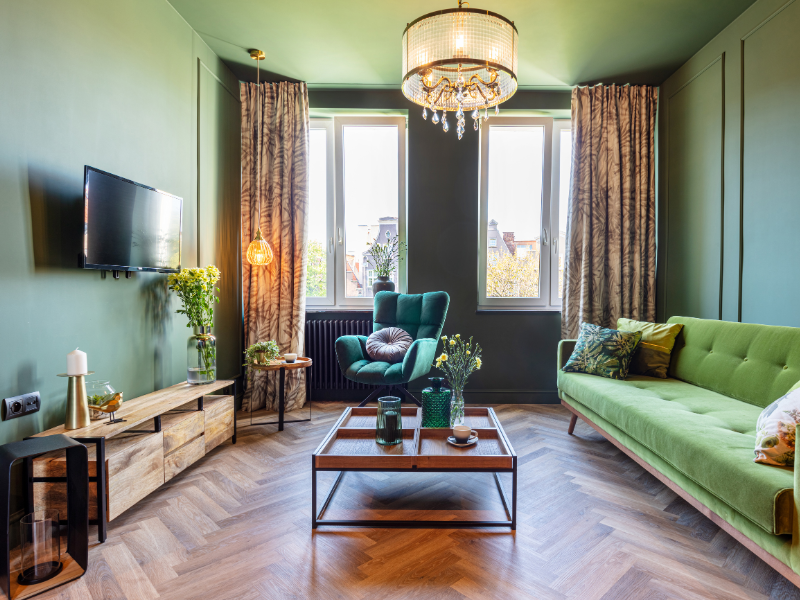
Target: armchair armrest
column 419, row 358
column 351, row 349
column 565, row 349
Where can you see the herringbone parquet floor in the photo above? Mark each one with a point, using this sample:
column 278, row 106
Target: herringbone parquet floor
column 592, row 524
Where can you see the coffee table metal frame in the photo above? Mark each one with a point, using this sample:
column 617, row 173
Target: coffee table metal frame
column 510, row 507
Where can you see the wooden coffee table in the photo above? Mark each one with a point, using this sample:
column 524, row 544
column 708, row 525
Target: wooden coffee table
column 351, row 446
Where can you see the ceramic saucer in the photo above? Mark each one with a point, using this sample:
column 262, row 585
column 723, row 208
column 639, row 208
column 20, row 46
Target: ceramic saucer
column 452, row 441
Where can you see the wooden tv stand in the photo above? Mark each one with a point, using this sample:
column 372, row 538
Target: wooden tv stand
column 162, row 433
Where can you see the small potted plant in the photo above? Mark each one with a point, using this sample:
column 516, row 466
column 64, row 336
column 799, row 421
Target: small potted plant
column 384, row 257
column 457, row 360
column 261, row 353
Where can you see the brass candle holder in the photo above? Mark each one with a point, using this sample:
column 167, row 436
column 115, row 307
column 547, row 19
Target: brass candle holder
column 77, row 402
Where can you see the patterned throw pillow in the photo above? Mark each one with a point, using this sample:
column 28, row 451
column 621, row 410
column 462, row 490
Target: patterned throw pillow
column 604, row 352
column 775, row 431
column 389, row 345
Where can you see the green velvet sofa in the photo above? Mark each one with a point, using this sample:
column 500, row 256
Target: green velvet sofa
column 695, row 431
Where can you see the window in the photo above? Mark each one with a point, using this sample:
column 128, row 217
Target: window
column 520, row 258
column 365, row 156
column 319, row 274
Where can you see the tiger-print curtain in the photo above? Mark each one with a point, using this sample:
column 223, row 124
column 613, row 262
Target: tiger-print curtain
column 274, row 165
column 610, row 256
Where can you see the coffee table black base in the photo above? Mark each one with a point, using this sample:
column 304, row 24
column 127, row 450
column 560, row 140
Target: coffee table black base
column 510, row 507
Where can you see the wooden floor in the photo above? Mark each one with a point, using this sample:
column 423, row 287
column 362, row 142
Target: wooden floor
column 592, row 524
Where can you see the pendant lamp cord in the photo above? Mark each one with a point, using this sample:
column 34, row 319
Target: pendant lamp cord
column 257, row 149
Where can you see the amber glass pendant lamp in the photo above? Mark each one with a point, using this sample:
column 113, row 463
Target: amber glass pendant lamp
column 258, row 252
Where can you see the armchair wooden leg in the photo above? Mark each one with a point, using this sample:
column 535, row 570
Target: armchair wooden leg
column 572, row 422
column 373, row 396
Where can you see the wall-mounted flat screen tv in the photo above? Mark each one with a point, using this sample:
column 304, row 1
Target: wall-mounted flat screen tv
column 129, row 226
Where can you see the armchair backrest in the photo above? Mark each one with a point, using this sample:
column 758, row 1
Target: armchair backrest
column 421, row 315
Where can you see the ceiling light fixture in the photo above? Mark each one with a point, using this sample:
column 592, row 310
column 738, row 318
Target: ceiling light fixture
column 258, row 252
column 460, row 59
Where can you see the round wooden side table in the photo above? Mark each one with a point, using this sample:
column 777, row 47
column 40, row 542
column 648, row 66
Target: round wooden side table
column 279, row 364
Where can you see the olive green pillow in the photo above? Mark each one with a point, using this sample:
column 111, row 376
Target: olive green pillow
column 653, row 353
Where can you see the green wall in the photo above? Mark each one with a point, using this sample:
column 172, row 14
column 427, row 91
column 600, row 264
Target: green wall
column 729, row 183
column 128, row 87
column 519, row 348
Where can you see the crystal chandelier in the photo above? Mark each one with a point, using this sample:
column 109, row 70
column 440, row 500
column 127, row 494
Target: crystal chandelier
column 460, row 60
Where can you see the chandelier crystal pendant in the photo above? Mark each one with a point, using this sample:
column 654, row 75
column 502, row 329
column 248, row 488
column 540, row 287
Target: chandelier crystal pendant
column 462, row 60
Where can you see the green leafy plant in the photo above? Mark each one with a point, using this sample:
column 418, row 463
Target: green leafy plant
column 384, row 257
column 196, row 289
column 261, row 353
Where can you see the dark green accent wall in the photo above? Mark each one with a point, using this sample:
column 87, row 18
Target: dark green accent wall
column 729, row 183
column 126, row 86
column 443, row 175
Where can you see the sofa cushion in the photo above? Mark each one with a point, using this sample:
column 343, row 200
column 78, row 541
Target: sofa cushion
column 653, row 352
column 775, row 431
column 603, row 352
column 753, row 363
column 704, row 435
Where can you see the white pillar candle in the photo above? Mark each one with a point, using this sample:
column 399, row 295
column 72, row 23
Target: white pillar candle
column 76, row 363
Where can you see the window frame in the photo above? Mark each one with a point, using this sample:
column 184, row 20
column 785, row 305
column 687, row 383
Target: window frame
column 559, row 125
column 543, row 302
column 329, row 298
column 340, row 231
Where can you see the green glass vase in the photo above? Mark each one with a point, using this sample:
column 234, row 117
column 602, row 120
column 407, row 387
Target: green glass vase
column 389, row 425
column 436, row 404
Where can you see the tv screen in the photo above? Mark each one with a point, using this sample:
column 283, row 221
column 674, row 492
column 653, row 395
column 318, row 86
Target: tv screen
column 129, row 226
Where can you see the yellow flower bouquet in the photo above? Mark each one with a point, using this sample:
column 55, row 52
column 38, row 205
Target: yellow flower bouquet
column 195, row 288
column 457, row 361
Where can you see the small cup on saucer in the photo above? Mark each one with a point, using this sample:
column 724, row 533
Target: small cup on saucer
column 462, row 433
column 290, row 358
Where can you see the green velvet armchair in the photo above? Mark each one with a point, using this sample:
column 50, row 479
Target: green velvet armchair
column 421, row 316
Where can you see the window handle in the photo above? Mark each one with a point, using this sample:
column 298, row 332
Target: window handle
column 340, row 236
column 555, row 246
column 545, row 240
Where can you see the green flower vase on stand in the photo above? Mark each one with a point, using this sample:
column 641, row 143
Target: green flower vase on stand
column 436, row 404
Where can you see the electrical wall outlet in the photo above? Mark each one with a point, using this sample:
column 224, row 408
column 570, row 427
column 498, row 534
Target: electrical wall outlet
column 21, row 405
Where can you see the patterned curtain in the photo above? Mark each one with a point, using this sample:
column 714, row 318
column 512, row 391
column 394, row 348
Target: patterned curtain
column 274, row 166
column 610, row 266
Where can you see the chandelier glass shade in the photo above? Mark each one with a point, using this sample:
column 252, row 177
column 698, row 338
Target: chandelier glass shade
column 461, row 60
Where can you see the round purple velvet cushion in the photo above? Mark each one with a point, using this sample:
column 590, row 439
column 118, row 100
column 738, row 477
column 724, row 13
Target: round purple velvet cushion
column 388, row 345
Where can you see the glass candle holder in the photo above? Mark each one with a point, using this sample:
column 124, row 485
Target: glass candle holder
column 389, row 428
column 98, row 392
column 40, row 536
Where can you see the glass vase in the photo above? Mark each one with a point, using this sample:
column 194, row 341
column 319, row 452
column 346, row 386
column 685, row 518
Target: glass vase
column 40, row 557
column 436, row 404
column 98, row 393
column 201, row 357
column 389, row 425
column 457, row 408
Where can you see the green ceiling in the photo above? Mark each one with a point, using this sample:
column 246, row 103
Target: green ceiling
column 353, row 43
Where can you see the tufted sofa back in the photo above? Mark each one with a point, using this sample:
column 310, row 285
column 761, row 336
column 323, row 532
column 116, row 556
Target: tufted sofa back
column 421, row 315
column 756, row 364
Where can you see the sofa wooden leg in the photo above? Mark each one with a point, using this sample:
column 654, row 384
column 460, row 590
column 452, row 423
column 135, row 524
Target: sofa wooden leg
column 572, row 422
